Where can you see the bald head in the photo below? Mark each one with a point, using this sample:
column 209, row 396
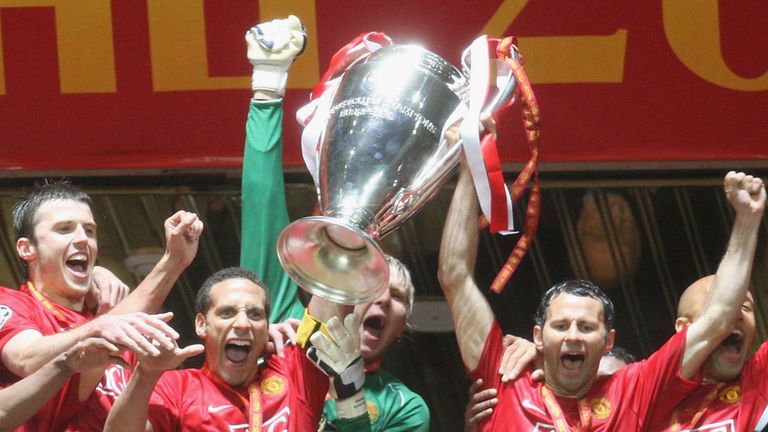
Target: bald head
column 693, row 301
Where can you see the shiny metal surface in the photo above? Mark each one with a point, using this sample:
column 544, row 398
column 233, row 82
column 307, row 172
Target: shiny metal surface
column 382, row 159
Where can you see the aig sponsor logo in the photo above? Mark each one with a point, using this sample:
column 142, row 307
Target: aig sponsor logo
column 723, row 426
column 278, row 422
column 113, row 382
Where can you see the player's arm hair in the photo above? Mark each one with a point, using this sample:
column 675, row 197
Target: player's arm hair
column 24, row 398
column 729, row 288
column 470, row 310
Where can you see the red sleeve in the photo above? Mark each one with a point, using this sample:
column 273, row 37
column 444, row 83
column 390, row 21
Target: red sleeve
column 754, row 371
column 164, row 403
column 656, row 384
column 490, row 359
column 311, row 383
column 16, row 315
column 760, row 359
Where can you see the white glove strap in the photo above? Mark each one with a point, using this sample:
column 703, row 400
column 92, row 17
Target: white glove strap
column 354, row 374
column 353, row 406
column 269, row 77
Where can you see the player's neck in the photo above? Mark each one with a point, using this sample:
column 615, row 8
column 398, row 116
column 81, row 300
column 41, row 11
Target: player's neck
column 561, row 391
column 372, row 365
column 54, row 297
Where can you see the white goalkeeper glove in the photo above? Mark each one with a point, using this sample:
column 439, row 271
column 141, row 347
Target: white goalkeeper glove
column 272, row 47
column 340, row 358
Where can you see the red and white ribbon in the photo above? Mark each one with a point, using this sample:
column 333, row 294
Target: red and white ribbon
column 483, row 161
column 313, row 116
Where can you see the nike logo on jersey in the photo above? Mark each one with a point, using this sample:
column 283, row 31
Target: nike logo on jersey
column 528, row 404
column 217, row 408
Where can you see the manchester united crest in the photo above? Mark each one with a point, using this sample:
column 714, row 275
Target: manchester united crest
column 373, row 411
column 731, row 394
column 273, row 385
column 601, row 408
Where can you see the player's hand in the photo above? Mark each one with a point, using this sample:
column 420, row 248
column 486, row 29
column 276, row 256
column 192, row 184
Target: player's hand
column 745, row 193
column 518, row 354
column 106, row 291
column 168, row 359
column 136, row 331
column 488, row 124
column 280, row 335
column 91, row 353
column 479, row 407
column 272, row 47
column 340, row 357
column 182, row 236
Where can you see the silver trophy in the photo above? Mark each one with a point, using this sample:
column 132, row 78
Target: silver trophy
column 382, row 158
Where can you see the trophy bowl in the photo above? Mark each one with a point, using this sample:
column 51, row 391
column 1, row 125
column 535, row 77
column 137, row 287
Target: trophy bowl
column 382, row 157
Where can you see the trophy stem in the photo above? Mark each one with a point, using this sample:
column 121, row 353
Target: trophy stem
column 333, row 259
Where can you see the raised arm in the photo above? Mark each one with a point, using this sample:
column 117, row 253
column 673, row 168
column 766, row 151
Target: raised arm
column 182, row 235
column 264, row 212
column 471, row 312
column 729, row 289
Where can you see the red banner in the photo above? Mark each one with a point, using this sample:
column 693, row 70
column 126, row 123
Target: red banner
column 164, row 84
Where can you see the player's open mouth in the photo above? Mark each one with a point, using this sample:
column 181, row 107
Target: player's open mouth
column 572, row 361
column 733, row 343
column 237, row 351
column 374, row 325
column 78, row 264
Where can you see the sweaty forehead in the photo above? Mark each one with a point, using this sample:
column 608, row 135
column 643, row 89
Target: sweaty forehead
column 569, row 306
column 237, row 292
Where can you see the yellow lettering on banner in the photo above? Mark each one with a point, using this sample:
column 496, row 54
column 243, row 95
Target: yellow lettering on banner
column 84, row 42
column 178, row 46
column 692, row 28
column 563, row 59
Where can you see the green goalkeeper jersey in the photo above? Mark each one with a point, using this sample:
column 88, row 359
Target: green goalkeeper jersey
column 391, row 405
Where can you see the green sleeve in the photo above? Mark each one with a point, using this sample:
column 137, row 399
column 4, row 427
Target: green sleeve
column 357, row 424
column 264, row 212
column 390, row 407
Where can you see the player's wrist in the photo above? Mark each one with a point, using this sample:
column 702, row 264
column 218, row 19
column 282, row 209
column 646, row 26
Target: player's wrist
column 270, row 78
column 352, row 406
column 62, row 364
column 351, row 380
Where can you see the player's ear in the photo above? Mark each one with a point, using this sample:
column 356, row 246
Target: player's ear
column 609, row 340
column 201, row 326
column 26, row 249
column 537, row 339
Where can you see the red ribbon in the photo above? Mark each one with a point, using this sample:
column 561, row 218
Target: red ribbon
column 532, row 120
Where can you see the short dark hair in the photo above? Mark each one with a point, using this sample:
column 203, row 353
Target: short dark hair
column 580, row 288
column 203, row 299
column 25, row 210
column 622, row 354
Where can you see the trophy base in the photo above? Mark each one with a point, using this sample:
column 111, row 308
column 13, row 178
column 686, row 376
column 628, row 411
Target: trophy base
column 333, row 259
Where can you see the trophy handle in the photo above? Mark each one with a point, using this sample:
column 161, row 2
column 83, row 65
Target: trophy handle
column 506, row 95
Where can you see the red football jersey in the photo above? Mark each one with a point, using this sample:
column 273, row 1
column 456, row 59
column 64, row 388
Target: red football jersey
column 292, row 394
column 730, row 407
column 623, row 402
column 20, row 310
